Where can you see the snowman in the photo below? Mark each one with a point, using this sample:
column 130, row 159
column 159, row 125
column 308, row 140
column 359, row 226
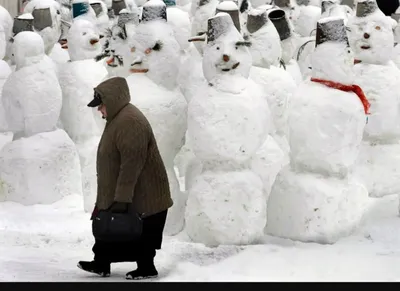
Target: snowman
column 227, row 123
column 103, row 21
column 278, row 84
column 304, row 17
column 116, row 44
column 66, row 18
column 40, row 165
column 47, row 23
column 371, row 39
column 289, row 42
column 78, row 78
column 153, row 61
column 6, row 21
column 5, row 71
column 331, row 8
column 315, row 198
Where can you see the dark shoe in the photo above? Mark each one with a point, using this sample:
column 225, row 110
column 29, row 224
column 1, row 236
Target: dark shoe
column 140, row 274
column 103, row 270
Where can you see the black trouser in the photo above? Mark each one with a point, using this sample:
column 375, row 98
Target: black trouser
column 142, row 251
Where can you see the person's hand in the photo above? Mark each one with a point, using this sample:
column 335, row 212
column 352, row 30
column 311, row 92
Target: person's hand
column 119, row 207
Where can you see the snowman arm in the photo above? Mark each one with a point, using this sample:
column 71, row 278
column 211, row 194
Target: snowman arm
column 132, row 143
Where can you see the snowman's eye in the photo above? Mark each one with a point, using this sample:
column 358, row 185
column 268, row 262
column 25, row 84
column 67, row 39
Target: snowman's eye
column 217, row 48
column 377, row 27
column 157, row 46
column 84, row 33
column 58, row 12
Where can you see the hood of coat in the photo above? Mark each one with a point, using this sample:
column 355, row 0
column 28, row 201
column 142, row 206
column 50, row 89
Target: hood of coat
column 114, row 94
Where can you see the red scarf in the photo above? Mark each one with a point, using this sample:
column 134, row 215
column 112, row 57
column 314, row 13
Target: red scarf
column 347, row 88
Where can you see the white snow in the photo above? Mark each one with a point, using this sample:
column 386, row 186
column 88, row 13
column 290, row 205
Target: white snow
column 25, row 16
column 45, row 242
column 227, row 6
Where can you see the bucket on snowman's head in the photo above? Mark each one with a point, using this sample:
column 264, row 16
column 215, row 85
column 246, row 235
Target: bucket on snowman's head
column 303, row 2
column 24, row 23
column 326, row 4
column 79, row 8
column 278, row 18
column 366, row 8
column 234, row 13
column 117, row 6
column 333, row 30
column 98, row 9
column 256, row 20
column 203, row 2
column 126, row 17
column 42, row 18
column 282, row 3
column 154, row 10
column 349, row 3
column 218, row 25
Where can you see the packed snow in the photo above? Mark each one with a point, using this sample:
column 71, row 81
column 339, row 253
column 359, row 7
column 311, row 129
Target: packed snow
column 277, row 122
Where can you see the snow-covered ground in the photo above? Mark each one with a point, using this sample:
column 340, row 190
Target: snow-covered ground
column 44, row 243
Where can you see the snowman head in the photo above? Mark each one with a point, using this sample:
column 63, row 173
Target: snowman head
column 46, row 21
column 285, row 30
column 203, row 11
column 154, row 51
column 226, row 53
column 28, row 49
column 371, row 34
column 265, row 42
column 332, row 59
column 83, row 40
column 290, row 7
column 101, row 11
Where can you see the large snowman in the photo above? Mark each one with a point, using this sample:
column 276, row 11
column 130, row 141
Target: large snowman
column 228, row 121
column 41, row 164
column 371, row 38
column 153, row 61
column 316, row 199
column 78, row 78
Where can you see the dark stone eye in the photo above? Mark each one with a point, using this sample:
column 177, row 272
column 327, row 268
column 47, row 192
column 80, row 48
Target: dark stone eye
column 218, row 48
column 58, row 12
column 157, row 46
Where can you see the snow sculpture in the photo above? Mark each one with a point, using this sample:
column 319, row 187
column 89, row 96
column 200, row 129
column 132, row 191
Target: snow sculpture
column 41, row 164
column 153, row 61
column 77, row 79
column 330, row 8
column 289, row 42
column 316, row 199
column 103, row 21
column 371, row 39
column 227, row 123
column 277, row 83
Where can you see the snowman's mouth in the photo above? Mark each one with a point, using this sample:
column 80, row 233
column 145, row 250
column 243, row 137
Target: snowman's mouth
column 138, row 69
column 365, row 47
column 231, row 68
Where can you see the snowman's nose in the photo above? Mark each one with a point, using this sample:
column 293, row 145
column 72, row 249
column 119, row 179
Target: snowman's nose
column 366, row 35
column 225, row 58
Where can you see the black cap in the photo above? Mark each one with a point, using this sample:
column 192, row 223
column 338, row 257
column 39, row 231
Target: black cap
column 96, row 100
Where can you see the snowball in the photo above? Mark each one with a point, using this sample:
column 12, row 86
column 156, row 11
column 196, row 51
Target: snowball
column 226, row 208
column 41, row 169
column 313, row 208
column 325, row 129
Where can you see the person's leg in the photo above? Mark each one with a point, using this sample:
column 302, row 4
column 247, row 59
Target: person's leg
column 101, row 265
column 153, row 227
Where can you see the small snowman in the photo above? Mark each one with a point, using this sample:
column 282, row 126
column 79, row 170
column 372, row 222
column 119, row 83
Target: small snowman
column 371, row 39
column 103, row 21
column 227, row 123
column 330, row 8
column 278, row 84
column 78, row 78
column 40, row 165
column 289, row 42
column 153, row 61
column 316, row 199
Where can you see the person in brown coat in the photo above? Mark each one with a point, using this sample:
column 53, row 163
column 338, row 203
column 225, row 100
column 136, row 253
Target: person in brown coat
column 130, row 173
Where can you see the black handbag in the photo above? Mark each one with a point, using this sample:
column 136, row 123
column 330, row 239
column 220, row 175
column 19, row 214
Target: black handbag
column 117, row 227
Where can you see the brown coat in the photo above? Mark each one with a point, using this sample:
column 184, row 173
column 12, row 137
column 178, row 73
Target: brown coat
column 129, row 165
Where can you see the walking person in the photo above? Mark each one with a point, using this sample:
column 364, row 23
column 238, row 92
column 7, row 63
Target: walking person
column 130, row 175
